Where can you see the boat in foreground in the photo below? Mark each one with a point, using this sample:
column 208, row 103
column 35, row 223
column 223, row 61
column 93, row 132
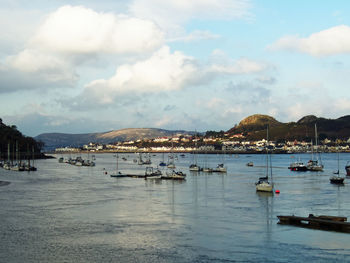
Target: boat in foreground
column 322, row 222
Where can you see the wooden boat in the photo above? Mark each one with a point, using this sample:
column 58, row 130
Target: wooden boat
column 322, row 222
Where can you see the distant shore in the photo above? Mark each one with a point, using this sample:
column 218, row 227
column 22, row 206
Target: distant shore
column 183, row 152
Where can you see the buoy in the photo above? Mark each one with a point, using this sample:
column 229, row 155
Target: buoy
column 105, row 172
column 277, row 191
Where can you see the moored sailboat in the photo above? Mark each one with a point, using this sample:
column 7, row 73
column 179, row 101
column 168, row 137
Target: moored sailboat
column 263, row 185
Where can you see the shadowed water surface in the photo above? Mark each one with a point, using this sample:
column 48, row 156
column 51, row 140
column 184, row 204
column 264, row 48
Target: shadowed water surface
column 64, row 213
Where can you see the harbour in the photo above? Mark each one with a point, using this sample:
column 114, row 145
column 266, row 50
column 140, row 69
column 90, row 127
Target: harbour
column 66, row 213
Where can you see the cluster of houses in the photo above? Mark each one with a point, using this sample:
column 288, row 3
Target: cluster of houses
column 232, row 144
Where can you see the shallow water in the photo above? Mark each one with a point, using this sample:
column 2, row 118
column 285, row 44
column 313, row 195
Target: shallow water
column 64, row 213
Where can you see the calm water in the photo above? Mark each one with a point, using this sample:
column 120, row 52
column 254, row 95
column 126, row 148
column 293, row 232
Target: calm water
column 64, row 213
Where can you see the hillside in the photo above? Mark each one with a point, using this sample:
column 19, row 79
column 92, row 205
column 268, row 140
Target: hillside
column 10, row 138
column 56, row 140
column 254, row 127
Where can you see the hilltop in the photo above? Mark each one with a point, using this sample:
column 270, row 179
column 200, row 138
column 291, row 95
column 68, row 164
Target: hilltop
column 254, row 128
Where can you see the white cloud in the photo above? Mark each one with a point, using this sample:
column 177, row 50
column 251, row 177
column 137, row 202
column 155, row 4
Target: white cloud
column 163, row 71
column 196, row 35
column 332, row 41
column 51, row 68
column 240, row 66
column 80, row 30
column 172, row 13
column 214, row 103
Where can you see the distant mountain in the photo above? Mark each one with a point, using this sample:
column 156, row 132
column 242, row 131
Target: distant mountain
column 254, row 127
column 56, row 140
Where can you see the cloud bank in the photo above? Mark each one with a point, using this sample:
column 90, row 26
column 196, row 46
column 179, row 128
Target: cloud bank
column 332, row 41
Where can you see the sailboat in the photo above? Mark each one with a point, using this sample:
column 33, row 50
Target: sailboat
column 118, row 173
column 171, row 163
column 337, row 179
column 162, row 163
column 194, row 167
column 263, row 185
column 315, row 165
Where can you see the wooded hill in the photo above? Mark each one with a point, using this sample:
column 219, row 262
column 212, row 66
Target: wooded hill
column 254, row 128
column 10, row 137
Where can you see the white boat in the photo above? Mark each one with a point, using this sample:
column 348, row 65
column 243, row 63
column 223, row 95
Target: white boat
column 194, row 168
column 220, row 168
column 174, row 175
column 263, row 185
column 315, row 165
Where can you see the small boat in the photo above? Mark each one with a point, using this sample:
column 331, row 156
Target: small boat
column 220, row 168
column 263, row 185
column 347, row 168
column 336, row 180
column 313, row 165
column 195, row 168
column 208, row 170
column 151, row 173
column 60, row 160
column 250, row 164
column 119, row 175
column 298, row 167
column 174, row 175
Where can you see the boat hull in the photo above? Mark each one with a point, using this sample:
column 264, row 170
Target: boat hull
column 347, row 169
column 264, row 187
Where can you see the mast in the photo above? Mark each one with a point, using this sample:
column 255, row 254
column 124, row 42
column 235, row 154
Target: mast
column 8, row 153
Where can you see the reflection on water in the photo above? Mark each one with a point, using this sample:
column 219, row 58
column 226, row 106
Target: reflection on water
column 64, row 213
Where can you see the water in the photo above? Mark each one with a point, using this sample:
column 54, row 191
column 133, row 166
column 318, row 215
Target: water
column 64, row 213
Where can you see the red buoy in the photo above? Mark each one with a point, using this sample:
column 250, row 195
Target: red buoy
column 277, row 191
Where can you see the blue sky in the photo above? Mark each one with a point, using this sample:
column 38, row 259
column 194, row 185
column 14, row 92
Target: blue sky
column 93, row 66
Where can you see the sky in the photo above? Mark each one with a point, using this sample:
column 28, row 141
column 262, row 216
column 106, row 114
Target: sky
column 94, row 66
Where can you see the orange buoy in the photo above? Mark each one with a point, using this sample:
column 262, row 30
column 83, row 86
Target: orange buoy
column 277, row 191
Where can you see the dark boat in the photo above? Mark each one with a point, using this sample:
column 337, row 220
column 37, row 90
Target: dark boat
column 331, row 223
column 336, row 180
column 298, row 167
column 347, row 168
